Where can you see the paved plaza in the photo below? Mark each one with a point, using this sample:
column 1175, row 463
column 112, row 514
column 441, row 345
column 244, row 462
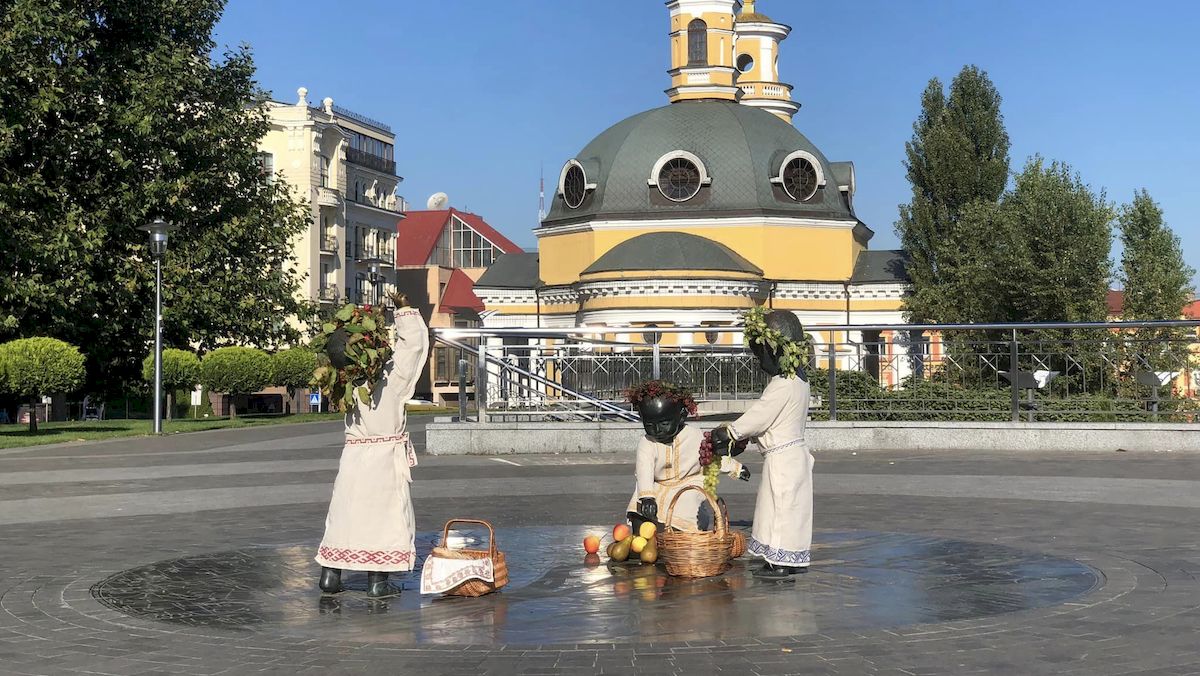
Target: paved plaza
column 193, row 555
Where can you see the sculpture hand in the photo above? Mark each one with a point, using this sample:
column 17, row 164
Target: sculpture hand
column 648, row 508
column 722, row 441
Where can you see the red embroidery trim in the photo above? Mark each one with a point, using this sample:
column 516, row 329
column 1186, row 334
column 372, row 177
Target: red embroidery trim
column 365, row 555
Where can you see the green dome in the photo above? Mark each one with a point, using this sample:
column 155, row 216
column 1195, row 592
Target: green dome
column 741, row 147
column 671, row 251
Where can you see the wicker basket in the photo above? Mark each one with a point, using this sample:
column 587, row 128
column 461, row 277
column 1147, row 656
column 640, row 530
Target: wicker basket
column 499, row 565
column 739, row 544
column 701, row 554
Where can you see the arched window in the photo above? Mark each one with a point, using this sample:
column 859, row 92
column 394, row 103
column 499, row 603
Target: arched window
column 697, row 43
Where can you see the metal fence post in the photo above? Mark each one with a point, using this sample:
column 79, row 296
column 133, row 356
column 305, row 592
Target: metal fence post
column 832, row 377
column 656, row 368
column 462, row 387
column 1013, row 379
column 481, row 379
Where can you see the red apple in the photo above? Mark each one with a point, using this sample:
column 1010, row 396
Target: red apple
column 620, row 532
column 591, row 544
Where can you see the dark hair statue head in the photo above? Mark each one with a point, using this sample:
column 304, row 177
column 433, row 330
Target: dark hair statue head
column 790, row 328
column 662, row 417
column 335, row 348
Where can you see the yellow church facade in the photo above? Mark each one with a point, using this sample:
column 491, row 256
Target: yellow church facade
column 688, row 214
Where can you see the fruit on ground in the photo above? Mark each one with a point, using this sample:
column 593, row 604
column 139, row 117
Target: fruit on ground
column 638, row 543
column 620, row 551
column 620, row 532
column 648, row 530
column 611, row 548
column 649, row 553
column 591, row 544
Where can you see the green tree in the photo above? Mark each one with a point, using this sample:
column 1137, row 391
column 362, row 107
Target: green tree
column 37, row 367
column 180, row 371
column 958, row 156
column 234, row 371
column 293, row 369
column 1058, row 237
column 1157, row 283
column 115, row 112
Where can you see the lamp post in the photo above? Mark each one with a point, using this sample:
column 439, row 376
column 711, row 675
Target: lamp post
column 373, row 276
column 159, row 230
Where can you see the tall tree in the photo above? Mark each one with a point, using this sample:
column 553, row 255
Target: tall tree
column 958, row 156
column 1157, row 285
column 1059, row 233
column 1157, row 281
column 115, row 112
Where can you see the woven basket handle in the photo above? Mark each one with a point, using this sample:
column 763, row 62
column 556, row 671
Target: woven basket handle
column 491, row 533
column 719, row 518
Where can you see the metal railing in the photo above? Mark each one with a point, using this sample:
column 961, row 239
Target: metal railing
column 1049, row 372
column 365, row 159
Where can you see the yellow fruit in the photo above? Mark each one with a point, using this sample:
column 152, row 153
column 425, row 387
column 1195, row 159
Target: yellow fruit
column 620, row 551
column 649, row 553
column 647, row 530
column 638, row 543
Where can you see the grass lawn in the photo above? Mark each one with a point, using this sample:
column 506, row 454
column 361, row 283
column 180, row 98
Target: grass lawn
column 15, row 436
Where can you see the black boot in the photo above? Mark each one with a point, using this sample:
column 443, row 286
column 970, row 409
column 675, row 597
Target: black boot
column 331, row 580
column 378, row 586
column 771, row 571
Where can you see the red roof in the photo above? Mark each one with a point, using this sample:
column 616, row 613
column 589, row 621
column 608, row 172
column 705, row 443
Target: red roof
column 1192, row 310
column 418, row 231
column 1115, row 300
column 459, row 294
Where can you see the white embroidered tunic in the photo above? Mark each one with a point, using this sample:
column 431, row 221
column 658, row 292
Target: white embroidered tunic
column 371, row 525
column 662, row 470
column 782, row 531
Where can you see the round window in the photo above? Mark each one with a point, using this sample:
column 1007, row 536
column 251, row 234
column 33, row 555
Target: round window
column 574, row 186
column 800, row 179
column 745, row 63
column 679, row 179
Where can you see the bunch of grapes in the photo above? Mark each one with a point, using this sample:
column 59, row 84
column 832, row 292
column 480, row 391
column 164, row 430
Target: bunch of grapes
column 706, row 450
column 712, row 476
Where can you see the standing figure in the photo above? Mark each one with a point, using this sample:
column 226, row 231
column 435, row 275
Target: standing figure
column 371, row 526
column 782, row 533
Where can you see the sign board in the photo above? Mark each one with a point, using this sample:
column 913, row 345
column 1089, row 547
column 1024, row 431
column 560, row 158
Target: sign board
column 195, row 397
column 314, row 399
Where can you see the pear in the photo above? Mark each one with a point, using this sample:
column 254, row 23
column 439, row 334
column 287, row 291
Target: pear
column 620, row 550
column 610, row 549
column 649, row 552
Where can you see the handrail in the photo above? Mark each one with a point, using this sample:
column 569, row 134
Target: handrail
column 598, row 403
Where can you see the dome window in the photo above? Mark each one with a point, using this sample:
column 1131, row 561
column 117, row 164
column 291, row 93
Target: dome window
column 573, row 185
column 800, row 175
column 745, row 63
column 679, row 176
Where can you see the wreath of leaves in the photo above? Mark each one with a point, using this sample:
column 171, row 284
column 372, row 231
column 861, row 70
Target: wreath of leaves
column 793, row 354
column 660, row 388
column 368, row 349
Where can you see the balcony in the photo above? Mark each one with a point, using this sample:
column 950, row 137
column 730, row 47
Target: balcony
column 328, row 294
column 329, row 244
column 328, row 197
column 370, row 161
column 385, row 255
column 771, row 90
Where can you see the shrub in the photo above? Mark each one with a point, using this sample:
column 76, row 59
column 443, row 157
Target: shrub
column 180, row 371
column 293, row 369
column 36, row 367
column 234, row 371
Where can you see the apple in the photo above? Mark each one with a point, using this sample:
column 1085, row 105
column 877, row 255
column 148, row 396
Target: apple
column 639, row 542
column 621, row 531
column 648, row 530
column 591, row 544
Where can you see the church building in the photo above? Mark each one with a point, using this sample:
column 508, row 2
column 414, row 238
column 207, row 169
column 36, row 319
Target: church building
column 688, row 214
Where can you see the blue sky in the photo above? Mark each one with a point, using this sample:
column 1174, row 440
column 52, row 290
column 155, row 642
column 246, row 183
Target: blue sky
column 482, row 94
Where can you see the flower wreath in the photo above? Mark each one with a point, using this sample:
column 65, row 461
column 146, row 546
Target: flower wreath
column 792, row 352
column 658, row 388
column 368, row 349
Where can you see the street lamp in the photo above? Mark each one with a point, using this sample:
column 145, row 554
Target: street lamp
column 159, row 230
column 373, row 275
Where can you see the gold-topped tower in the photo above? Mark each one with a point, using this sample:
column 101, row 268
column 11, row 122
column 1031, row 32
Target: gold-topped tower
column 702, row 47
column 757, row 62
